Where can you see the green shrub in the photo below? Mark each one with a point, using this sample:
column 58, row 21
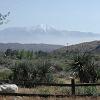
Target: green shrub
column 40, row 71
column 5, row 73
column 88, row 90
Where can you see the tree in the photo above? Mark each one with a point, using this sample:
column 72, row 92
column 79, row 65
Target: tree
column 84, row 65
column 41, row 54
column 8, row 52
column 29, row 54
column 3, row 18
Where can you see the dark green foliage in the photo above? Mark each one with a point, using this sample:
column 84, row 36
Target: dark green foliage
column 22, row 54
column 11, row 53
column 21, row 71
column 27, row 71
column 5, row 73
column 84, row 65
column 5, row 62
column 41, row 54
column 44, row 71
column 8, row 52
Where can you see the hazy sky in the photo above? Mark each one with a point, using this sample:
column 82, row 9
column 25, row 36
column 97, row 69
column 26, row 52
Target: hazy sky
column 77, row 15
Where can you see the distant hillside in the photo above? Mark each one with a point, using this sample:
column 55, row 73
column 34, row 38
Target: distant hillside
column 93, row 46
column 34, row 47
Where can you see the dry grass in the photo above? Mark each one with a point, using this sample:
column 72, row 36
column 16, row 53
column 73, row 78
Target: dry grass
column 46, row 90
column 61, row 90
column 54, row 90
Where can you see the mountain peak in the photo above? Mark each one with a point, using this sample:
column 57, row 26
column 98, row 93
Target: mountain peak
column 43, row 27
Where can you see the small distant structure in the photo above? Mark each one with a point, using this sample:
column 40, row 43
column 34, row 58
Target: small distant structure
column 67, row 44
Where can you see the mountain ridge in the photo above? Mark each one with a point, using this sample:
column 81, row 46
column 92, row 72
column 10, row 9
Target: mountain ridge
column 93, row 46
column 31, row 47
column 45, row 34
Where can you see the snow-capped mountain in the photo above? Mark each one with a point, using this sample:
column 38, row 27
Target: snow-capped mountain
column 43, row 27
column 45, row 34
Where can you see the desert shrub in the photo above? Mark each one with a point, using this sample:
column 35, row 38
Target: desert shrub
column 21, row 70
column 5, row 73
column 88, row 90
column 6, row 62
column 40, row 71
column 44, row 71
column 84, row 65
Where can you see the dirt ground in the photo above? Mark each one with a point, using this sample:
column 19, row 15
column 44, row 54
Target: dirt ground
column 65, row 98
